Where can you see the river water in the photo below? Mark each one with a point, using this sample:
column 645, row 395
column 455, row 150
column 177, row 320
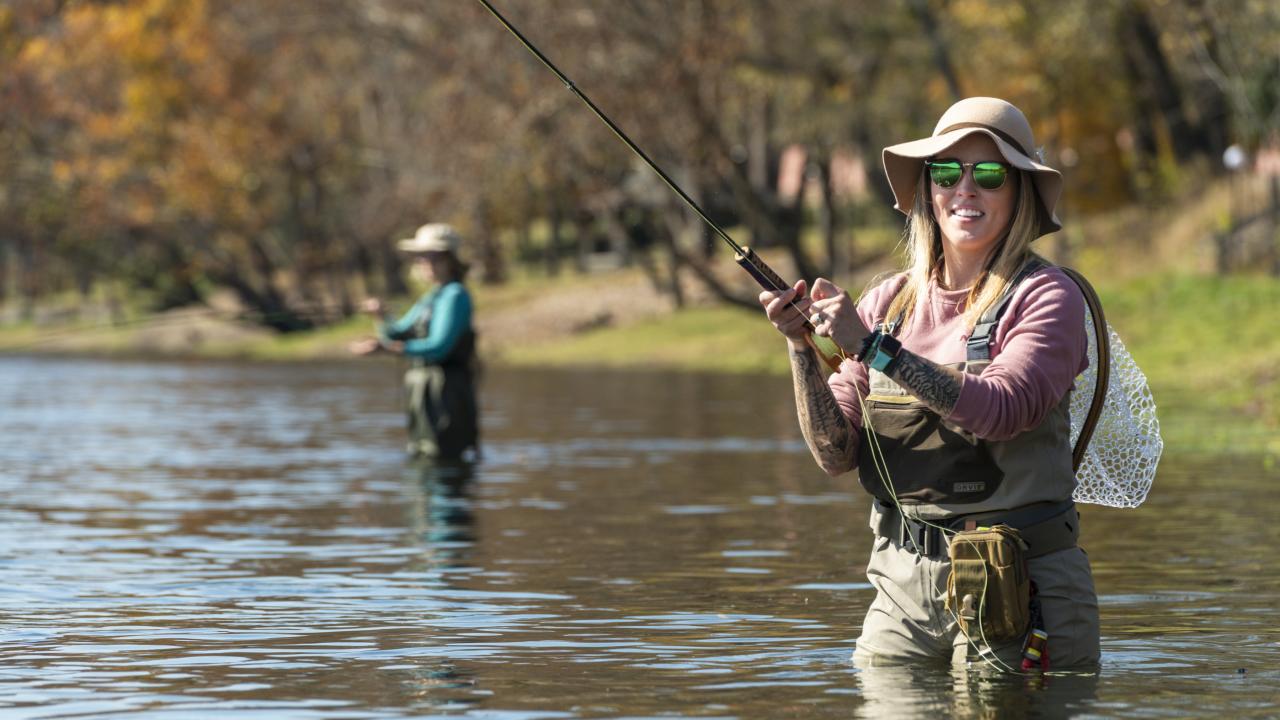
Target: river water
column 195, row 540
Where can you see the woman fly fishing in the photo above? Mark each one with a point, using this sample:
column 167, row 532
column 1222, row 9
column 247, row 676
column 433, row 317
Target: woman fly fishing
column 436, row 335
column 955, row 413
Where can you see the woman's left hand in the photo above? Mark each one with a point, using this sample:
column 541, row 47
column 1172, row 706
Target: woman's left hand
column 364, row 346
column 369, row 346
column 833, row 315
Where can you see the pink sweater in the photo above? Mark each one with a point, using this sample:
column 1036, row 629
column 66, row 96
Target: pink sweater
column 1038, row 350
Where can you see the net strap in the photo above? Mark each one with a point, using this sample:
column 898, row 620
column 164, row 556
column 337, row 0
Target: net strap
column 1103, row 339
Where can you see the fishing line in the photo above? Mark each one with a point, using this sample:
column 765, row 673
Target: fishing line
column 877, row 454
column 882, row 469
column 1100, row 336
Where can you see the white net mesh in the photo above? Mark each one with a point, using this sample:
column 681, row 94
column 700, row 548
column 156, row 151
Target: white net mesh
column 1120, row 462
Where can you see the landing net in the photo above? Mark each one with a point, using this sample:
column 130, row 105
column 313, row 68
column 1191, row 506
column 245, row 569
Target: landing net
column 1120, row 462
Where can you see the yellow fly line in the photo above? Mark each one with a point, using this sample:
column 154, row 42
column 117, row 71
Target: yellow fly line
column 1114, row 430
column 882, row 469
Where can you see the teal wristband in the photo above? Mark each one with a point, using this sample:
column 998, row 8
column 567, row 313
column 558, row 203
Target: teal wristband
column 873, row 346
column 884, row 351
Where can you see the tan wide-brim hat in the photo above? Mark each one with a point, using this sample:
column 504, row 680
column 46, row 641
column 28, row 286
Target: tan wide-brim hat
column 998, row 120
column 432, row 238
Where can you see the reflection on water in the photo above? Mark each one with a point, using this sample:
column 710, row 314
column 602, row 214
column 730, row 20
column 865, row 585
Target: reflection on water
column 195, row 540
column 938, row 690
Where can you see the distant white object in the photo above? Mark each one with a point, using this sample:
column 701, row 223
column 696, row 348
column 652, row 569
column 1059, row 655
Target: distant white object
column 1120, row 462
column 1234, row 157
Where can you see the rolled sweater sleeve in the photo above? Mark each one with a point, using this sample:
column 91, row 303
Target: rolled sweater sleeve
column 450, row 318
column 1039, row 348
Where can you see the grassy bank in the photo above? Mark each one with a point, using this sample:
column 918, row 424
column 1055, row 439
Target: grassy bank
column 187, row 333
column 1206, row 344
column 1210, row 351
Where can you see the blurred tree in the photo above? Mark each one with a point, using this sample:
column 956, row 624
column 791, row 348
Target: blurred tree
column 279, row 149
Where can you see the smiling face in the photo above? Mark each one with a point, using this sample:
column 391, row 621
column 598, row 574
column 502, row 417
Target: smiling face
column 972, row 219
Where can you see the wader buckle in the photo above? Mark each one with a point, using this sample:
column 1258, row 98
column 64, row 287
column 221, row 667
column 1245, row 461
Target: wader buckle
column 924, row 540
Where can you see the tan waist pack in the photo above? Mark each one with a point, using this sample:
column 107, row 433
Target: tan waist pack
column 990, row 581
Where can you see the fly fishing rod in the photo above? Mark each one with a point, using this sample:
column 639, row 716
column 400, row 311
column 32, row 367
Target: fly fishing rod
column 826, row 348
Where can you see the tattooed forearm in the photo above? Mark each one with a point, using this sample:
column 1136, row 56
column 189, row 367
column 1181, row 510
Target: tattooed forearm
column 936, row 386
column 826, row 430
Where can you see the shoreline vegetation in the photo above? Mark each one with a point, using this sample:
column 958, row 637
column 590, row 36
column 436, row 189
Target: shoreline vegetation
column 1206, row 342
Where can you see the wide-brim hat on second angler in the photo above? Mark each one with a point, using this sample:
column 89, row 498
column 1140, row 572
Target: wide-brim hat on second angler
column 998, row 120
column 432, row 238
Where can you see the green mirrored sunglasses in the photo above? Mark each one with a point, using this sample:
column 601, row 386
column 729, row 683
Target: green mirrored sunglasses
column 988, row 174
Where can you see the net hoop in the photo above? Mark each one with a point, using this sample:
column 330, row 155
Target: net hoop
column 1114, row 429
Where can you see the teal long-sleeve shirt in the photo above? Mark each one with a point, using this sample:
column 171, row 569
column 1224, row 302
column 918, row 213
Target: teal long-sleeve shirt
column 449, row 308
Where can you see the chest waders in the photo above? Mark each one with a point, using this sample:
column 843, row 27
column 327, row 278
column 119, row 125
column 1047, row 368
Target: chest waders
column 988, row 506
column 440, row 399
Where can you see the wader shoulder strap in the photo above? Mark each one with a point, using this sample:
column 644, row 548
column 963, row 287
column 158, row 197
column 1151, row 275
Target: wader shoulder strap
column 978, row 347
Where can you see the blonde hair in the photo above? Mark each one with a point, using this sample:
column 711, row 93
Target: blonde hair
column 924, row 259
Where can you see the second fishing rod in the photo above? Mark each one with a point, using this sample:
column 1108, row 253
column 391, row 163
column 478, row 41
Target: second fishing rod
column 826, row 348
